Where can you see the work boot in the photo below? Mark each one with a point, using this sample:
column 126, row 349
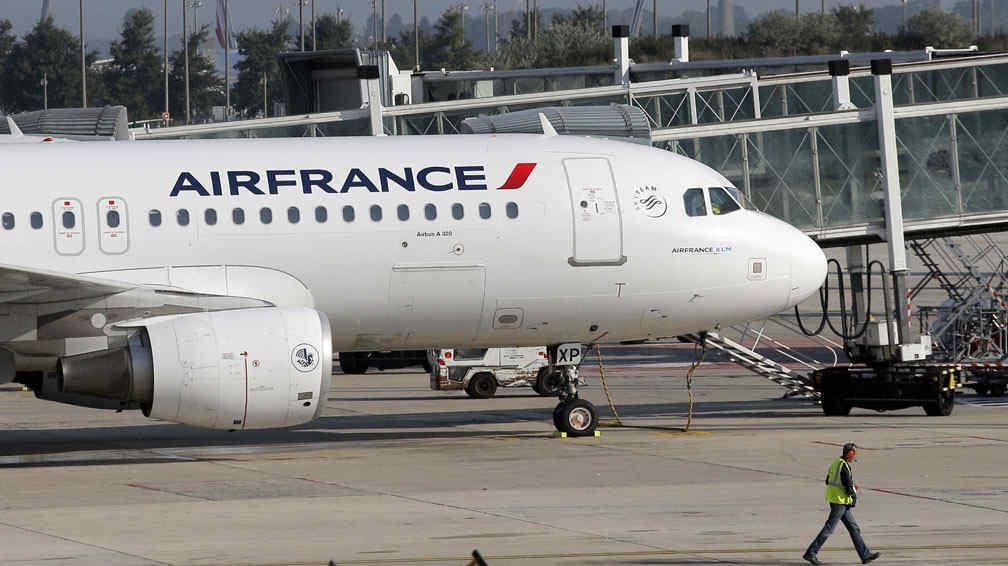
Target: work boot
column 811, row 559
column 870, row 557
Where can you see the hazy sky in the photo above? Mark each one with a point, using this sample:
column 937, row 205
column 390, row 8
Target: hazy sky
column 104, row 17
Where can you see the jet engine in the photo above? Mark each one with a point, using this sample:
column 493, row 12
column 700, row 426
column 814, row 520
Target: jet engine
column 240, row 369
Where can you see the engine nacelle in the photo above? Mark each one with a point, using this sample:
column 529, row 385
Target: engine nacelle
column 240, row 369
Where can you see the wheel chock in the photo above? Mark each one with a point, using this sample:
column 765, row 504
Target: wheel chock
column 558, row 434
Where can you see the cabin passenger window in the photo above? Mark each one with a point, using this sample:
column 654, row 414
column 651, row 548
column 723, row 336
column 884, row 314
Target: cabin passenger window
column 511, row 210
column 210, row 216
column 293, row 215
column 693, row 199
column 348, row 214
column 69, row 220
column 238, row 216
column 8, row 221
column 266, row 215
column 112, row 218
column 154, row 217
column 182, row 216
column 321, row 214
column 430, row 212
column 721, row 202
column 458, row 211
column 376, row 213
column 484, row 210
column 403, row 212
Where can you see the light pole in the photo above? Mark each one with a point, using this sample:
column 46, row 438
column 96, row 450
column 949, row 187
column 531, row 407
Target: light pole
column 462, row 8
column 164, row 52
column 416, row 39
column 708, row 19
column 313, row 36
column 301, row 22
column 83, row 62
column 45, row 90
column 654, row 18
column 227, row 62
column 185, row 47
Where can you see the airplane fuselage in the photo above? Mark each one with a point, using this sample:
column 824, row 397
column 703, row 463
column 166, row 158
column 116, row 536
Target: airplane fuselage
column 412, row 241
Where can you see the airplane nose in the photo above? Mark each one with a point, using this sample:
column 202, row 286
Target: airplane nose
column 808, row 269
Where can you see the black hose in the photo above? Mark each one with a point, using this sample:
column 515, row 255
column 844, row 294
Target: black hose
column 844, row 331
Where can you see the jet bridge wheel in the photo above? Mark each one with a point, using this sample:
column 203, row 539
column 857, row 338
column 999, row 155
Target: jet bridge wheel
column 576, row 417
column 943, row 406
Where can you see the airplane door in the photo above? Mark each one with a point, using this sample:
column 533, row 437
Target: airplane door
column 437, row 306
column 598, row 227
column 113, row 225
column 68, row 226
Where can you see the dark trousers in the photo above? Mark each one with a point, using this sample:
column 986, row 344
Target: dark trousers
column 839, row 513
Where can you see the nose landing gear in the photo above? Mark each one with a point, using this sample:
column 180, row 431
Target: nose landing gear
column 573, row 415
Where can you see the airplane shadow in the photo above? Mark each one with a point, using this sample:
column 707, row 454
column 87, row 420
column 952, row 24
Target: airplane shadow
column 768, row 415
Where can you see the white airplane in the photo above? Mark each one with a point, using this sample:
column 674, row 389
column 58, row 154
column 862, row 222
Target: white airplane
column 208, row 282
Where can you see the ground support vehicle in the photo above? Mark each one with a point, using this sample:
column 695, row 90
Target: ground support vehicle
column 480, row 371
column 988, row 378
column 888, row 386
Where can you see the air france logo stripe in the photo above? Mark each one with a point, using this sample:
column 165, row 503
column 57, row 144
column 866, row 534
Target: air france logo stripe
column 313, row 181
column 518, row 176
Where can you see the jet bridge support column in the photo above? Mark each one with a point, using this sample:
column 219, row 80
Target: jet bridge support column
column 885, row 116
column 621, row 54
column 370, row 75
column 839, row 71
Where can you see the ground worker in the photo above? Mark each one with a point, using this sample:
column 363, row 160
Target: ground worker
column 841, row 494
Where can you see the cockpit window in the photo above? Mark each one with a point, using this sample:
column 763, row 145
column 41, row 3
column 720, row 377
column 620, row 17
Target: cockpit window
column 694, row 201
column 740, row 198
column 721, row 202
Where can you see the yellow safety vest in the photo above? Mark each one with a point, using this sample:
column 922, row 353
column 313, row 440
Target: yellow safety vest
column 835, row 490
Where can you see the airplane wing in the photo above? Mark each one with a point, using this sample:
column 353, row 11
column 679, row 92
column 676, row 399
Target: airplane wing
column 36, row 287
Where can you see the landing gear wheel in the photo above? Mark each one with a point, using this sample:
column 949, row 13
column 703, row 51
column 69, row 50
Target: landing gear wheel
column 482, row 386
column 943, row 407
column 981, row 391
column 548, row 383
column 832, row 407
column 576, row 417
column 997, row 390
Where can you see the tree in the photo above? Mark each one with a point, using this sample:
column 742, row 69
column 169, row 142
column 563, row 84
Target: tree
column 856, row 25
column 449, row 48
column 7, row 39
column 135, row 77
column 775, row 33
column 206, row 87
column 259, row 50
column 819, row 33
column 47, row 50
column 331, row 33
column 572, row 39
column 934, row 27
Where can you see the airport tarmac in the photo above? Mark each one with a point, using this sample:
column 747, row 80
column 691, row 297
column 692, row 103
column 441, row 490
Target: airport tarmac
column 397, row 474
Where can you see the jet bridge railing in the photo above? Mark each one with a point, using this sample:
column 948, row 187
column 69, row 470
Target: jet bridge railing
column 822, row 172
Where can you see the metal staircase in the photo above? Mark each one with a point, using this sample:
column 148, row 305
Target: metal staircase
column 978, row 292
column 798, row 385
